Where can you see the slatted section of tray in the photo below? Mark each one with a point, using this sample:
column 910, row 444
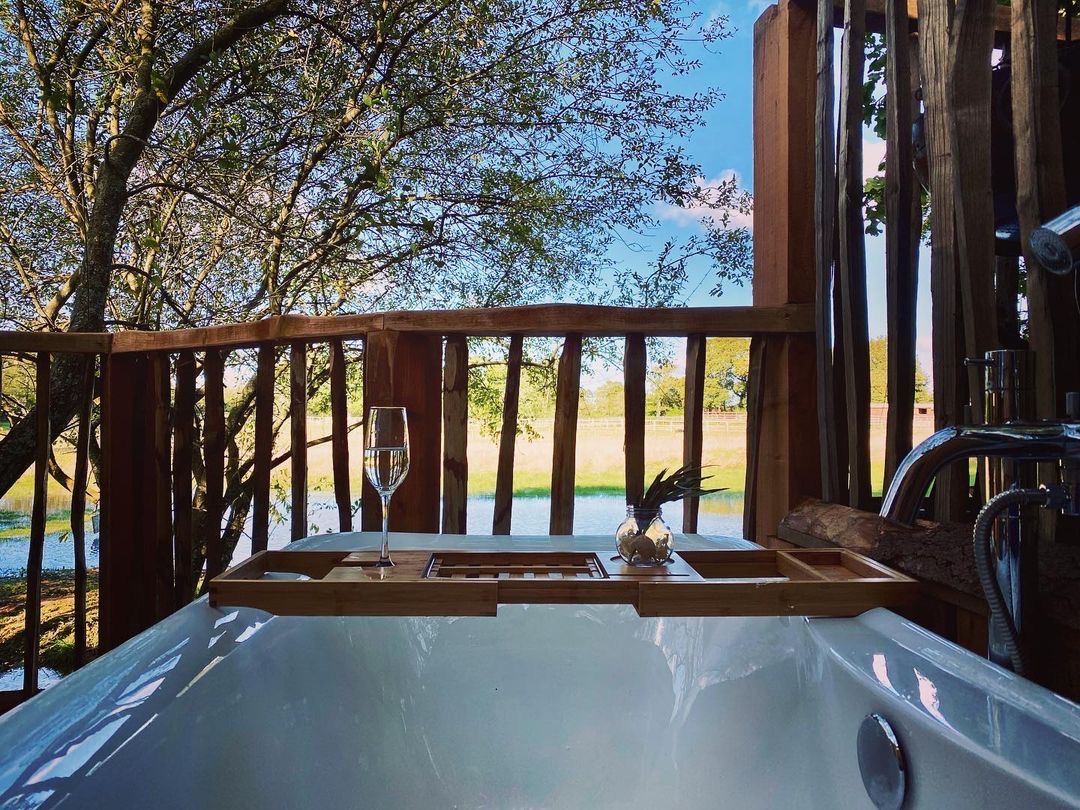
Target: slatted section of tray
column 807, row 582
column 802, row 582
column 515, row 565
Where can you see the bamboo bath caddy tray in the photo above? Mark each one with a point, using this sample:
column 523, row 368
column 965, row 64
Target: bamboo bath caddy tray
column 803, row 582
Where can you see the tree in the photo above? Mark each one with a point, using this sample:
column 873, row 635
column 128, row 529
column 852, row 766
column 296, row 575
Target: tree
column 879, row 374
column 176, row 165
column 727, row 372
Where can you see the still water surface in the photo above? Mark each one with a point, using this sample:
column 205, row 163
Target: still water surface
column 593, row 514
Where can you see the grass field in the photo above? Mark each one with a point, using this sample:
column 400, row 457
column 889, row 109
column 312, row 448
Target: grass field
column 599, row 462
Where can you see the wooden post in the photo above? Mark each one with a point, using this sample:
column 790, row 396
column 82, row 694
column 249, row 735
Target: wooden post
column 564, row 455
column 78, row 506
column 504, row 476
column 129, row 501
column 784, row 116
column 693, row 419
column 405, row 369
column 264, row 448
column 634, row 366
column 339, row 410
column 298, row 437
column 214, row 460
column 183, row 452
column 456, row 435
column 43, row 440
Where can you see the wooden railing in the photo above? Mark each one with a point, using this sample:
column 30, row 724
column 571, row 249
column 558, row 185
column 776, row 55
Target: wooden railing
column 149, row 397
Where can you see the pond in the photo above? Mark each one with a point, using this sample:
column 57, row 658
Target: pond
column 593, row 514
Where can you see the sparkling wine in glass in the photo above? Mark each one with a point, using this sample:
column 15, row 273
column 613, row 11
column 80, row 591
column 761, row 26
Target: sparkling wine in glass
column 386, row 463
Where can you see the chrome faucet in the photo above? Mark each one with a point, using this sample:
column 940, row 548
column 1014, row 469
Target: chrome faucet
column 1037, row 441
column 1009, row 449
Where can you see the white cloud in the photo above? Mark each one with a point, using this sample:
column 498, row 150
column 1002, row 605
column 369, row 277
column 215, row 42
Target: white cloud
column 693, row 214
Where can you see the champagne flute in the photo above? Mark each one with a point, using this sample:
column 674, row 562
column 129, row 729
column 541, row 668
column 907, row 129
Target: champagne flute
column 386, row 463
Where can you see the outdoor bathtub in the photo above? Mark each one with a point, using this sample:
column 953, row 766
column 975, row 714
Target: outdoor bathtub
column 545, row 706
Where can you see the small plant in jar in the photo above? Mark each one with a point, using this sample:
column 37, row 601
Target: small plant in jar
column 643, row 538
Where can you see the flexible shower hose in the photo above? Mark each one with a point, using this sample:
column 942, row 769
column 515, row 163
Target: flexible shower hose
column 1000, row 616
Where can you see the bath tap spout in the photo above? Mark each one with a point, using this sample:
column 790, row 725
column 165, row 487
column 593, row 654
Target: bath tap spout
column 1039, row 441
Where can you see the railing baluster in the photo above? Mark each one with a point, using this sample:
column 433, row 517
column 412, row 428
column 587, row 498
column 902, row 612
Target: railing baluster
column 455, row 434
column 183, row 446
column 298, row 436
column 504, row 476
column 214, row 459
column 755, row 403
column 564, row 456
column 634, row 362
column 339, row 411
column 264, row 446
column 78, row 507
column 693, row 411
column 43, row 441
column 159, row 384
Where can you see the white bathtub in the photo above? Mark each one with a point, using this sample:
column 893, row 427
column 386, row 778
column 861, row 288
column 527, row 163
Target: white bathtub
column 545, row 706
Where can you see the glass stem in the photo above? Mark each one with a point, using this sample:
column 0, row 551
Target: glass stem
column 384, row 554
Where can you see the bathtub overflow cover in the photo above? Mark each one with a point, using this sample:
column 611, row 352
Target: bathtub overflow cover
column 881, row 763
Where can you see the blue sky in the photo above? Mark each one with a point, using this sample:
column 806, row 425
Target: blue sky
column 725, row 145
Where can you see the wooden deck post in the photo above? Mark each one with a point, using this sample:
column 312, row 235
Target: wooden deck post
column 784, row 136
column 405, row 368
column 129, row 576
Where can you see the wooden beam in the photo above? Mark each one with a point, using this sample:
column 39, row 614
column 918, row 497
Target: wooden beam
column 264, row 448
column 455, row 435
column 563, row 464
column 214, row 460
column 339, row 416
column 298, row 438
column 853, row 255
column 755, row 414
column 183, row 454
column 902, row 226
column 1041, row 195
column 969, row 100
column 504, row 476
column 824, row 240
column 950, row 384
column 693, row 417
column 784, row 147
column 42, row 450
column 55, row 342
column 542, row 320
column 634, row 368
column 909, row 9
column 405, row 370
column 158, row 483
column 78, row 506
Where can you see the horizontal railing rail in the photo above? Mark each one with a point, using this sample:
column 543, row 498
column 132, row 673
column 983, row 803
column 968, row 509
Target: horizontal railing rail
column 163, row 419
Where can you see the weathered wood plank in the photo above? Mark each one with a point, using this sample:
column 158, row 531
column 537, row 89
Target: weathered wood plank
column 784, row 144
column 298, row 438
column 969, row 95
column 183, row 455
column 264, row 448
column 1041, row 195
column 563, row 464
column 755, row 405
column 504, row 476
column 693, row 417
column 543, row 320
column 824, row 236
column 634, row 367
column 901, row 259
column 55, row 342
column 405, row 370
column 853, row 255
column 339, row 415
column 950, row 383
column 455, row 435
column 78, row 506
column 43, row 445
column 214, row 460
column 158, row 483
